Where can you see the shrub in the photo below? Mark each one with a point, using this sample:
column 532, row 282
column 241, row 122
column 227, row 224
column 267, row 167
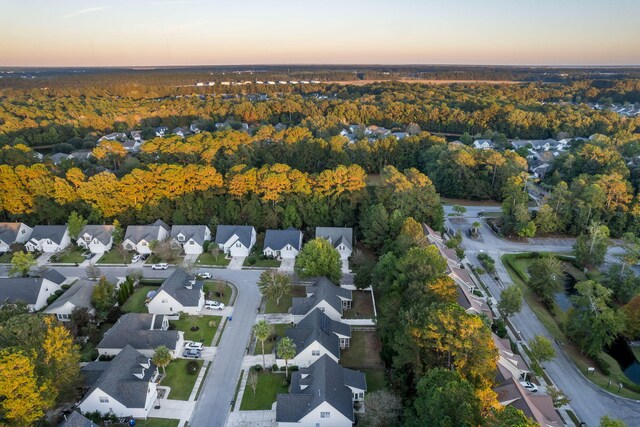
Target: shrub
column 293, row 368
column 274, row 368
column 603, row 365
column 192, row 367
column 212, row 323
column 499, row 328
column 65, row 287
column 51, row 299
column 251, row 260
column 257, row 368
column 58, row 292
column 105, row 358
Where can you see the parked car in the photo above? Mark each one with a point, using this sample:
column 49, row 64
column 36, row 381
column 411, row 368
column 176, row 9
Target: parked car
column 192, row 345
column 205, row 275
column 144, row 257
column 529, row 386
column 192, row 353
column 213, row 305
column 135, row 258
column 160, row 266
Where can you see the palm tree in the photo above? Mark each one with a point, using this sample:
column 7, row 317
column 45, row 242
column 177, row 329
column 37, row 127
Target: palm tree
column 262, row 330
column 474, row 227
column 162, row 357
column 273, row 285
column 286, row 350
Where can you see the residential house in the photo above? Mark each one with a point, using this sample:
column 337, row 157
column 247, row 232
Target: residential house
column 315, row 336
column 194, row 128
column 139, row 237
column 326, row 296
column 132, row 145
column 323, row 394
column 33, row 291
column 142, row 331
column 13, row 232
column 180, row 132
column 76, row 419
column 510, row 363
column 97, row 238
column 161, row 131
column 115, row 136
column 180, row 292
column 400, row 135
column 471, row 303
column 377, row 131
column 340, row 238
column 48, row 238
column 235, row 240
column 136, row 135
column 537, row 407
column 77, row 296
column 57, row 158
column 483, row 144
column 190, row 237
column 284, row 244
column 125, row 386
column 80, row 156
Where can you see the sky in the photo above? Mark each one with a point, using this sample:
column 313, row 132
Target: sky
column 235, row 32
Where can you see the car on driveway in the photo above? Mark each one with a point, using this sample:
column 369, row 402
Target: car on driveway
column 192, row 345
column 529, row 386
column 213, row 305
column 204, row 275
column 192, row 353
column 160, row 266
column 135, row 258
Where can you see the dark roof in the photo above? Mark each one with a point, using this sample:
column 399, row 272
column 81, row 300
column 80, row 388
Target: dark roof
column 100, row 232
column 176, row 286
column 243, row 232
column 120, row 383
column 135, row 329
column 79, row 295
column 58, row 157
column 9, row 231
column 195, row 232
column 278, row 239
column 25, row 289
column 317, row 326
column 54, row 233
column 336, row 235
column 55, row 276
column 76, row 419
column 137, row 233
column 325, row 381
column 321, row 290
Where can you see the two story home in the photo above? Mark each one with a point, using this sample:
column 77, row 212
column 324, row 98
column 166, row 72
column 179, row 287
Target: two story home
column 341, row 238
column 97, row 238
column 142, row 331
column 285, row 244
column 33, row 291
column 235, row 240
column 125, row 386
column 13, row 232
column 48, row 238
column 180, row 292
column 190, row 237
column 77, row 296
column 326, row 296
column 139, row 237
column 323, row 394
column 315, row 336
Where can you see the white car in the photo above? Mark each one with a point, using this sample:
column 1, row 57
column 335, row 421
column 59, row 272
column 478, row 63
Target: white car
column 204, row 275
column 136, row 258
column 192, row 345
column 213, row 305
column 160, row 266
column 529, row 386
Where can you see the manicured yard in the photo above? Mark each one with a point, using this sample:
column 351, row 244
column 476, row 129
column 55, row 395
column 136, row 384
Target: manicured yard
column 278, row 331
column 115, row 257
column 212, row 289
column 204, row 334
column 361, row 306
column 269, row 386
column 285, row 301
column 136, row 302
column 375, row 379
column 363, row 352
column 6, row 257
column 157, row 422
column 179, row 380
column 207, row 258
column 261, row 261
column 71, row 255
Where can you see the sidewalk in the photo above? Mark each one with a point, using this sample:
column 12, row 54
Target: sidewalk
column 247, row 363
column 196, row 385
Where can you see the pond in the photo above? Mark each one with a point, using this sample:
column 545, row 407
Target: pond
column 621, row 351
column 563, row 299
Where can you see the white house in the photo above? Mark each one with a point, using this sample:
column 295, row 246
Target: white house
column 13, row 232
column 180, row 292
column 235, row 240
column 139, row 237
column 142, row 331
column 483, row 144
column 126, row 386
column 33, row 291
column 78, row 296
column 190, row 237
column 341, row 238
column 97, row 238
column 326, row 296
column 115, row 136
column 48, row 238
column 284, row 244
column 321, row 395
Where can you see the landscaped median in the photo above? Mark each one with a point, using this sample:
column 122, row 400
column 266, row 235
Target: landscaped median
column 269, row 385
column 181, row 377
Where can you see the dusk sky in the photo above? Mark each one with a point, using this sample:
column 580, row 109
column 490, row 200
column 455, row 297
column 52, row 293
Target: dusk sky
column 192, row 32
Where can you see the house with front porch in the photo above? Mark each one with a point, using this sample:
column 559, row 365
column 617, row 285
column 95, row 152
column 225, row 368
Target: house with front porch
column 33, row 291
column 285, row 244
column 180, row 292
column 48, row 238
column 13, row 232
column 139, row 237
column 235, row 240
column 190, row 238
column 341, row 238
column 96, row 238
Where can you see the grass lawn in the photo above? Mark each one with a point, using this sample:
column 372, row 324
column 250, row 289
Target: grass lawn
column 285, row 301
column 157, row 422
column 204, row 334
column 212, row 289
column 88, row 353
column 363, row 352
column 279, row 331
column 361, row 306
column 135, row 303
column 260, row 261
column 179, row 380
column 71, row 255
column 6, row 257
column 636, row 352
column 207, row 258
column 375, row 379
column 269, row 386
column 114, row 257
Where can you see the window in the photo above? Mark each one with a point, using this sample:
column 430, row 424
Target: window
column 180, row 238
column 104, row 399
column 164, row 301
column 22, row 232
column 238, row 244
column 63, row 317
column 315, row 352
column 87, row 238
column 325, row 414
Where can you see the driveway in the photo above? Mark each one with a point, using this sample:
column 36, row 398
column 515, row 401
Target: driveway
column 236, row 263
column 287, row 265
column 345, row 266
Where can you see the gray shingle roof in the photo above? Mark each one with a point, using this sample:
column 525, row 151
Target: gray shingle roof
column 317, row 326
column 55, row 276
column 118, row 381
column 58, row 157
column 225, row 232
column 55, row 233
column 195, row 232
column 137, row 233
column 100, row 232
column 325, row 381
column 321, row 290
column 176, row 286
column 25, row 289
column 278, row 239
column 134, row 329
column 9, row 231
column 76, row 419
column 79, row 295
column 336, row 235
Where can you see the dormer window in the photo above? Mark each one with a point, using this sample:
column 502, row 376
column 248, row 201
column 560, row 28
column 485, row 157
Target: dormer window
column 87, row 238
column 180, row 238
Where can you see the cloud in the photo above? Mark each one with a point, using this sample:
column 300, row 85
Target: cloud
column 83, row 11
column 170, row 2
